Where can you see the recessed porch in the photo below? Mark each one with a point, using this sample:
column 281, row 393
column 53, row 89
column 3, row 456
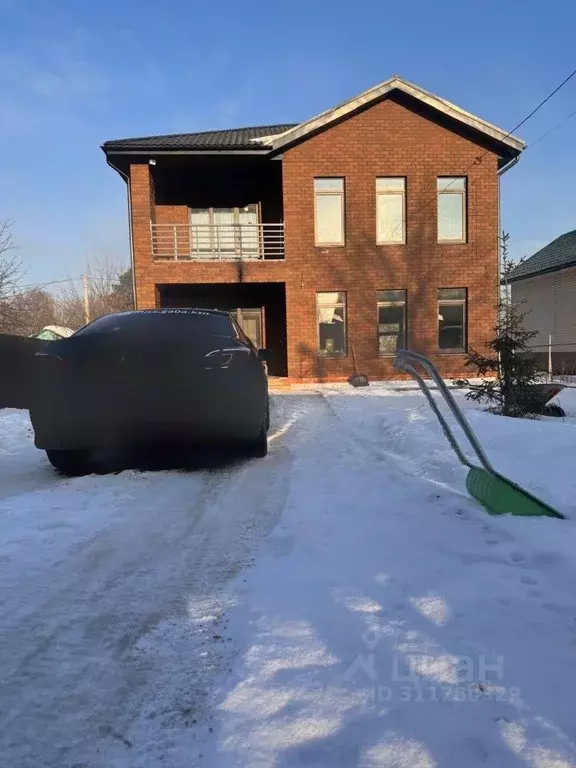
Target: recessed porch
column 259, row 308
column 217, row 209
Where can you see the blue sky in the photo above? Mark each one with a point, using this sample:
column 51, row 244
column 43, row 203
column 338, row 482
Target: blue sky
column 74, row 73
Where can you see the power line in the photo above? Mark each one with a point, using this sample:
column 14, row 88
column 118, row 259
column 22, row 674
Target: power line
column 52, row 282
column 552, row 93
column 64, row 280
column 479, row 159
column 30, row 287
column 555, row 128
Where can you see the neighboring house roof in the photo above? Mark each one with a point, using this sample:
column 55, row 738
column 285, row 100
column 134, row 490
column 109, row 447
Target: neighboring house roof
column 558, row 254
column 276, row 137
column 235, row 138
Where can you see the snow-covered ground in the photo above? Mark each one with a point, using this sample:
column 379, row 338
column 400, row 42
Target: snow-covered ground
column 342, row 602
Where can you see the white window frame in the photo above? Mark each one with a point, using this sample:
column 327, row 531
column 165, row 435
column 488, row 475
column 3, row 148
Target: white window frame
column 385, row 303
column 380, row 239
column 454, row 303
column 332, row 305
column 235, row 245
column 451, row 189
column 330, row 193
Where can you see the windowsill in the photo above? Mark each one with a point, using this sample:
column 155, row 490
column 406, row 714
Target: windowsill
column 332, row 354
column 330, row 245
column 452, row 352
column 452, row 242
column 399, row 242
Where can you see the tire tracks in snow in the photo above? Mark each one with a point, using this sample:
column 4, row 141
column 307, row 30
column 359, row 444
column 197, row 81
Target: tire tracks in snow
column 115, row 629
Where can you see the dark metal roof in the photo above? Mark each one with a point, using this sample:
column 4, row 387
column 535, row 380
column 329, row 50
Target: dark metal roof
column 235, row 138
column 558, row 254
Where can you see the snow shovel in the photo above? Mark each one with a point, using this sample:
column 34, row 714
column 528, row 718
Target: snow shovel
column 359, row 379
column 498, row 494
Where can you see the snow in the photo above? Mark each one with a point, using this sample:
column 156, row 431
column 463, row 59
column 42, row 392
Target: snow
column 59, row 330
column 342, row 602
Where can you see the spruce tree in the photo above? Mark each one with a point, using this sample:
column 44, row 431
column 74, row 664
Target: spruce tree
column 508, row 361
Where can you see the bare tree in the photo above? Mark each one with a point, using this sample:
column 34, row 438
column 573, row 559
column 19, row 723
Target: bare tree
column 35, row 309
column 109, row 290
column 11, row 273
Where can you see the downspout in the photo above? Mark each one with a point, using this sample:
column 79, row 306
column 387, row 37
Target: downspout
column 508, row 165
column 501, row 172
column 126, row 177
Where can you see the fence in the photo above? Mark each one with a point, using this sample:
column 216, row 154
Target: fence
column 557, row 359
column 17, row 369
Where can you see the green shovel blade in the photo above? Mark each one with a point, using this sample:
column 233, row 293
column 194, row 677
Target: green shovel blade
column 503, row 497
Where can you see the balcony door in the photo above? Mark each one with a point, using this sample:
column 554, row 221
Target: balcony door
column 226, row 233
column 223, row 231
column 249, row 235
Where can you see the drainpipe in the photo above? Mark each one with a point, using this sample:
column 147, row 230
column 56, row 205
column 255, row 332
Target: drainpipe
column 508, row 165
column 501, row 172
column 126, row 177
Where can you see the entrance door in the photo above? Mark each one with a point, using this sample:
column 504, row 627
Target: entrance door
column 250, row 320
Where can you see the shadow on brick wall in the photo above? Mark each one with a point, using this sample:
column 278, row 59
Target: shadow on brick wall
column 365, row 269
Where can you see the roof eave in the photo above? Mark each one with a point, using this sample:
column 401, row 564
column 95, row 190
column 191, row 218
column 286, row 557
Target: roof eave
column 153, row 151
column 541, row 272
column 325, row 119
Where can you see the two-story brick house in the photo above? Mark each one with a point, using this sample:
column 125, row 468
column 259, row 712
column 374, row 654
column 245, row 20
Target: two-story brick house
column 372, row 226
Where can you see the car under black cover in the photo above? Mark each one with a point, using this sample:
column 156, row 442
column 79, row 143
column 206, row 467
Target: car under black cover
column 187, row 376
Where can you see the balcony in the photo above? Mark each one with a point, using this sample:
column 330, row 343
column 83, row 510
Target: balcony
column 217, row 242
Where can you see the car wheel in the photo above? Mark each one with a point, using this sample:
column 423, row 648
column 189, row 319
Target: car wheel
column 70, row 463
column 258, row 448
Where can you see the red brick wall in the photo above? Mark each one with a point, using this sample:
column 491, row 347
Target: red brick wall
column 172, row 214
column 387, row 140
column 143, row 214
column 149, row 274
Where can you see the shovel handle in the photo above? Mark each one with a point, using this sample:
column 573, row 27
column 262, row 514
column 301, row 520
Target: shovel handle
column 354, row 358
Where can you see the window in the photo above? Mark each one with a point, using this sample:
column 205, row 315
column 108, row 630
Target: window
column 451, row 209
column 216, row 232
column 329, row 211
column 331, row 312
column 452, row 319
column 390, row 210
column 391, row 321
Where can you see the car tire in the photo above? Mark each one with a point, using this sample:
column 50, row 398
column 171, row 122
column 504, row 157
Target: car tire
column 258, row 448
column 71, row 463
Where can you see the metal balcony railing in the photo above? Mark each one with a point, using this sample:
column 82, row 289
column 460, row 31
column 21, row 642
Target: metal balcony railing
column 221, row 242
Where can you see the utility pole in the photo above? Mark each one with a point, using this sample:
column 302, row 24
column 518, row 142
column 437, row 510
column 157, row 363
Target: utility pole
column 86, row 299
